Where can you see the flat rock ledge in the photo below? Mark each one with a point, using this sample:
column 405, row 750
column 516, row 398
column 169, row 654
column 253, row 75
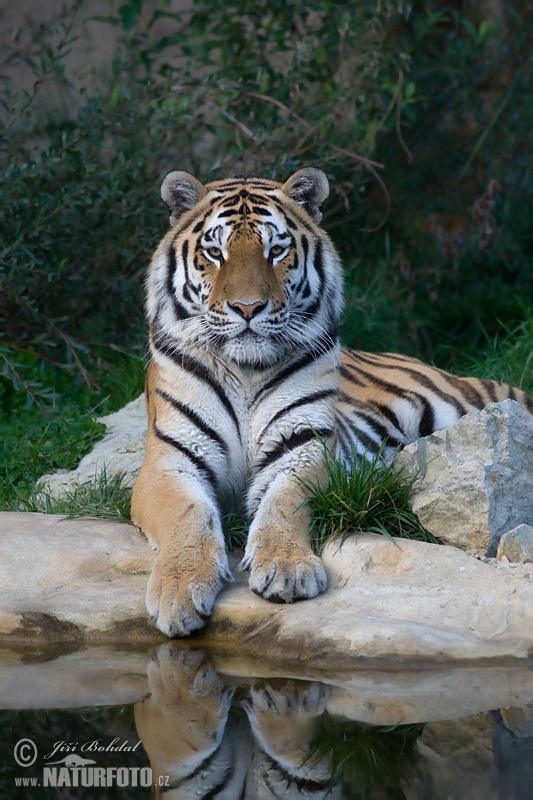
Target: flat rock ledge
column 391, row 603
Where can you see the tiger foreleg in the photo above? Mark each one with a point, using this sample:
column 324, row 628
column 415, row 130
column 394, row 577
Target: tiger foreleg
column 283, row 567
column 183, row 722
column 183, row 522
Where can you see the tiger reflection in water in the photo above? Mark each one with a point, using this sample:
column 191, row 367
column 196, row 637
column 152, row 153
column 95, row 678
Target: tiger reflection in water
column 210, row 750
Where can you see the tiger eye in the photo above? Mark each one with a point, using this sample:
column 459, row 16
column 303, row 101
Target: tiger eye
column 276, row 250
column 214, row 252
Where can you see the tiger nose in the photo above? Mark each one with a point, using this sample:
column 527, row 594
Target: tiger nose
column 248, row 310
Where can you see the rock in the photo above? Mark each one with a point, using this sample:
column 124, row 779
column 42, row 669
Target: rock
column 517, row 545
column 74, row 581
column 120, row 450
column 474, row 478
column 457, row 757
column 391, row 603
column 519, row 720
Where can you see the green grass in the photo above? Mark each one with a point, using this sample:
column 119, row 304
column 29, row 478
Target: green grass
column 507, row 357
column 370, row 497
column 235, row 525
column 109, row 497
column 105, row 497
column 372, row 761
column 56, row 428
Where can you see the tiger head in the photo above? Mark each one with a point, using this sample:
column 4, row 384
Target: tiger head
column 245, row 270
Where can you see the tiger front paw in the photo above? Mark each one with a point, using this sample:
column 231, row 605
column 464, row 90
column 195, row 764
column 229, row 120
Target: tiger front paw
column 180, row 599
column 285, row 578
column 177, row 676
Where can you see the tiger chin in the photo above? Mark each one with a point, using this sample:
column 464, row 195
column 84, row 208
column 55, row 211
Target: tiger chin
column 247, row 381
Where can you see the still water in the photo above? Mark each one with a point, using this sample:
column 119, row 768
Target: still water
column 179, row 722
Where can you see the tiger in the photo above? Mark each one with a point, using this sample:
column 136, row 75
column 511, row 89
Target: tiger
column 248, row 383
column 200, row 745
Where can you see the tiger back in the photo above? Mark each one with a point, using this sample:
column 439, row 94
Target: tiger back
column 246, row 383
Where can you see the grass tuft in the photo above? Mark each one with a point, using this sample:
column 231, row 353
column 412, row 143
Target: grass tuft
column 372, row 496
column 110, row 498
column 104, row 497
column 368, row 759
column 235, row 525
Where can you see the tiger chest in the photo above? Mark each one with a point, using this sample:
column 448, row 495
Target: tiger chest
column 229, row 424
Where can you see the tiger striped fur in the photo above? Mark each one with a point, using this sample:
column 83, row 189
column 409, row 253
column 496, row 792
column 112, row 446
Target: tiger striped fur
column 247, row 377
column 200, row 748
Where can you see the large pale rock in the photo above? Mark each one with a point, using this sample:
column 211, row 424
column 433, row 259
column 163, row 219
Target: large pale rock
column 393, row 603
column 475, row 478
column 72, row 580
column 120, row 450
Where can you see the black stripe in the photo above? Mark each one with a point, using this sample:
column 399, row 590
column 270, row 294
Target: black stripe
column 308, row 357
column 305, row 247
column 229, row 202
column 302, row 784
column 310, row 398
column 187, row 286
column 358, row 434
column 388, row 414
column 303, row 280
column 348, row 375
column 200, row 371
column 427, row 383
column 212, row 793
column 377, row 427
column 193, row 417
column 296, row 439
column 179, row 310
column 465, row 387
column 427, row 421
column 318, row 263
column 203, row 765
column 345, row 440
column 198, row 461
column 490, row 388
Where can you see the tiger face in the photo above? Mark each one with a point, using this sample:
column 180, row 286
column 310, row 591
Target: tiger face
column 245, row 270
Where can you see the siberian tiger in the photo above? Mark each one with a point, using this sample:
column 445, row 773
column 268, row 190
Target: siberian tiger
column 247, row 380
column 199, row 747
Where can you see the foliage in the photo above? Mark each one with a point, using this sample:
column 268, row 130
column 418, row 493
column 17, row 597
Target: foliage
column 372, row 496
column 104, row 497
column 33, row 445
column 235, row 525
column 47, row 727
column 460, row 247
column 37, row 439
column 507, row 356
column 371, row 761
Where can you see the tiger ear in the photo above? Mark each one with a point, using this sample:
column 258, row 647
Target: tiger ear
column 309, row 188
column 180, row 191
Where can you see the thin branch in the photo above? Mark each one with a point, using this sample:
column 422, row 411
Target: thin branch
column 24, row 384
column 362, row 159
column 399, row 121
column 247, row 132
